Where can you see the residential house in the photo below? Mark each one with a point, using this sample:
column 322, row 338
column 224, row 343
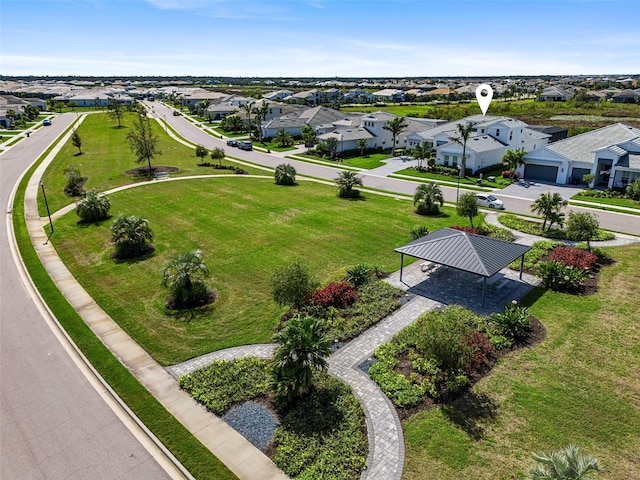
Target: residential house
column 358, row 95
column 555, row 94
column 278, row 96
column 294, row 121
column 308, row 97
column 626, row 96
column 610, row 153
column 389, row 95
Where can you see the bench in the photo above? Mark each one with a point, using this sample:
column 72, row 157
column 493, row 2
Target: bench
column 161, row 176
column 428, row 266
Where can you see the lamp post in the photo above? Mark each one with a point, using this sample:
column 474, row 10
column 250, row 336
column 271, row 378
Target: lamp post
column 44, row 195
column 458, row 187
column 166, row 125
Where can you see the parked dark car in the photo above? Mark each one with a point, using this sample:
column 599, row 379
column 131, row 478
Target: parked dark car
column 245, row 145
column 46, row 122
column 232, row 143
column 176, row 113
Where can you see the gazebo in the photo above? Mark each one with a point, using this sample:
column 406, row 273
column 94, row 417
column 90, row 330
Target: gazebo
column 483, row 256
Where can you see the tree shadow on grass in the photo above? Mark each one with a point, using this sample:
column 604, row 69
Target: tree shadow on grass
column 471, row 412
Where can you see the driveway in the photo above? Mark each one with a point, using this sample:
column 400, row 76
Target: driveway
column 532, row 190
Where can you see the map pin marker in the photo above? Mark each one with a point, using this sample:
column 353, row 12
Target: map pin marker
column 484, row 94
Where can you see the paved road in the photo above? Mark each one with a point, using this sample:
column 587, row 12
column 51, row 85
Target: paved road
column 618, row 222
column 53, row 422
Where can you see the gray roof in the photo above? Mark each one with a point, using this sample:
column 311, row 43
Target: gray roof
column 580, row 148
column 477, row 254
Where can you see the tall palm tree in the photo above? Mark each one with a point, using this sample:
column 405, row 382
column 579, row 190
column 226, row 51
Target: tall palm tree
column 285, row 174
column 512, row 159
column 464, row 132
column 548, row 205
column 261, row 113
column 346, row 183
column 362, row 144
column 302, row 350
column 396, row 126
column 131, row 236
column 308, row 136
column 248, row 109
column 565, row 464
column 428, row 198
column 183, row 275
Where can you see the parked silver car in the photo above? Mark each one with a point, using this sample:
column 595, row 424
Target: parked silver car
column 489, row 201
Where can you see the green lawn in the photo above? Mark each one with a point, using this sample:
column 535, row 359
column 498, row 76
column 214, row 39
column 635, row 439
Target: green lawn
column 368, row 162
column 246, row 228
column 579, row 386
column 499, row 183
column 106, row 157
column 618, row 202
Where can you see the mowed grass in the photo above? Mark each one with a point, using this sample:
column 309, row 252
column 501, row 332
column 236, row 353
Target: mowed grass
column 246, row 228
column 581, row 386
column 106, row 157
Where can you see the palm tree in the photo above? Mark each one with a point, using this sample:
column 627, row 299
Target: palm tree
column 248, row 109
column 184, row 276
column 92, row 207
column 512, row 159
column 308, row 136
column 132, row 236
column 283, row 138
column 332, row 146
column 549, row 205
column 395, row 126
column 302, row 350
column 362, row 144
column 464, row 132
column 285, row 174
column 346, row 182
column 565, row 464
column 428, row 198
column 261, row 113
column 203, row 105
column 422, row 151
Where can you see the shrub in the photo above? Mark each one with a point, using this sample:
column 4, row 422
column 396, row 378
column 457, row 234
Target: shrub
column 285, row 174
column 92, row 207
column 481, row 348
column 466, row 229
column 184, row 276
column 513, row 322
column 575, row 257
column 357, row 275
column 467, row 206
column 338, row 295
column 582, row 226
column 558, row 277
column 496, row 232
column 633, row 190
column 73, row 188
column 292, row 285
column 419, row 231
column 507, row 174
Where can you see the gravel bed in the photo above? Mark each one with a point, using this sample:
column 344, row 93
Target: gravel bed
column 254, row 422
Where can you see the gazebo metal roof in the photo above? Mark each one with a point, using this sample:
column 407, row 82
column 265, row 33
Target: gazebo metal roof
column 477, row 254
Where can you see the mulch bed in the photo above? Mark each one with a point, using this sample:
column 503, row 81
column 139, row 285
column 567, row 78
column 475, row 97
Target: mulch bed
column 144, row 171
column 536, row 335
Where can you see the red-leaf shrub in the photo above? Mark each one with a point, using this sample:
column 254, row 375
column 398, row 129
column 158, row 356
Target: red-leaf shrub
column 338, row 295
column 574, row 257
column 481, row 349
column 466, row 229
column 507, row 174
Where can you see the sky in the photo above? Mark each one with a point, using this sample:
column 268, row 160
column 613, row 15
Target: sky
column 319, row 38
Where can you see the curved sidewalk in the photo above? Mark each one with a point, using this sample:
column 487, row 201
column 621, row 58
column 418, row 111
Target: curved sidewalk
column 239, row 455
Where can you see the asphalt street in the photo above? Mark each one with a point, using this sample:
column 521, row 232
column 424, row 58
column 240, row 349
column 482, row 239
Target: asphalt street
column 617, row 222
column 53, row 423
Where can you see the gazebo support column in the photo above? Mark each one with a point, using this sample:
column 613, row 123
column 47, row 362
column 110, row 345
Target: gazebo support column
column 401, row 265
column 484, row 287
column 521, row 266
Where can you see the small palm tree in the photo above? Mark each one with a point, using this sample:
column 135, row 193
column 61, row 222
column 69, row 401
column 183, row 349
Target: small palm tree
column 92, row 207
column 261, row 113
column 346, row 183
column 512, row 159
column 428, row 199
column 248, row 110
column 422, row 151
column 396, row 126
column 131, row 236
column 548, row 205
column 283, row 138
column 302, row 351
column 285, row 174
column 565, row 464
column 418, row 232
column 308, row 136
column 184, row 276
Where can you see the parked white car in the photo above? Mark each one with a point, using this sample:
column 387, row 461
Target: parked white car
column 489, row 201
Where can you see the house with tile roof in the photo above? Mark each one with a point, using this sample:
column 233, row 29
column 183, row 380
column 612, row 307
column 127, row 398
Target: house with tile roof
column 610, row 153
column 626, row 96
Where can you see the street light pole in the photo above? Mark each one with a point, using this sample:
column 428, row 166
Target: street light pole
column 458, row 187
column 44, row 195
